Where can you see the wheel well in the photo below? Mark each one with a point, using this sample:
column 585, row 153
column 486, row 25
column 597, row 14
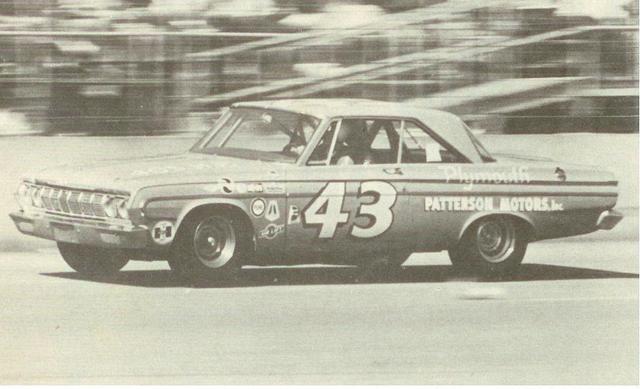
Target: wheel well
column 521, row 223
column 235, row 212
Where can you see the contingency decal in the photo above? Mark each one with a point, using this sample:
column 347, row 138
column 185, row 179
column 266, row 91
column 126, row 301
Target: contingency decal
column 258, row 207
column 274, row 187
column 293, row 217
column 226, row 186
column 325, row 210
column 273, row 212
column 271, row 231
column 162, row 232
column 487, row 203
column 255, row 188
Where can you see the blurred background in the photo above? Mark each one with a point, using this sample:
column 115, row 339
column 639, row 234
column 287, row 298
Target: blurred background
column 154, row 67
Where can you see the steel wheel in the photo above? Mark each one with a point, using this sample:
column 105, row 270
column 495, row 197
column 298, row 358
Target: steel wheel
column 496, row 239
column 493, row 246
column 211, row 244
column 214, row 242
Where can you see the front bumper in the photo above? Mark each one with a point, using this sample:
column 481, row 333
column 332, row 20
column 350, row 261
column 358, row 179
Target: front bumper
column 85, row 232
column 608, row 219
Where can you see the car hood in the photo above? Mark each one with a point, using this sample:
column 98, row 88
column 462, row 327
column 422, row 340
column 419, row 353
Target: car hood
column 129, row 175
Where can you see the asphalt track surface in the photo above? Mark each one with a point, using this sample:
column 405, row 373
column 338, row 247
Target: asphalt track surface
column 570, row 317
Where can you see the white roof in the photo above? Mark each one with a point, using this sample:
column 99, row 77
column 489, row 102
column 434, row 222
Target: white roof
column 448, row 126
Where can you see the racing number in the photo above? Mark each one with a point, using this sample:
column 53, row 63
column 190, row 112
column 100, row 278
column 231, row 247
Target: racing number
column 379, row 211
column 325, row 209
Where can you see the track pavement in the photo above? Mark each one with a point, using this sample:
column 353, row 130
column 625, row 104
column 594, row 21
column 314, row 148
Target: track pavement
column 571, row 316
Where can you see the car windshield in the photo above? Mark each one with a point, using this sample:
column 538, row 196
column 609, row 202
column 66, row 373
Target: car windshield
column 260, row 134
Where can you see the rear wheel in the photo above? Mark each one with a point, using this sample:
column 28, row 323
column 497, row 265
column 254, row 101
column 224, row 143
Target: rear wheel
column 209, row 245
column 92, row 261
column 492, row 247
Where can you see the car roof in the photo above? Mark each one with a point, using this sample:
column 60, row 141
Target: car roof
column 326, row 108
column 448, row 126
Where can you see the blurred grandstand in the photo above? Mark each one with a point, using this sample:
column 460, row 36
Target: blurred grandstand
column 165, row 66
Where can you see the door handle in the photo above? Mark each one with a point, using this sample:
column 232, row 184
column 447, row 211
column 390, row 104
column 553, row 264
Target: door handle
column 393, row 170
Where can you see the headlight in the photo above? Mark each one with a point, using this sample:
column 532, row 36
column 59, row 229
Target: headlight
column 110, row 206
column 121, row 206
column 24, row 199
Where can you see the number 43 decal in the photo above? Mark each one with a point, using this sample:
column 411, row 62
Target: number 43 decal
column 325, row 210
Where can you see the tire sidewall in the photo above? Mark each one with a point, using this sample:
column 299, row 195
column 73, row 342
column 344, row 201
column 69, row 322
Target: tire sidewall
column 92, row 261
column 468, row 259
column 185, row 262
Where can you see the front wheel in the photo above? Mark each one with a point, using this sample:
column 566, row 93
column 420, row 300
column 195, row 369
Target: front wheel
column 92, row 261
column 492, row 247
column 210, row 245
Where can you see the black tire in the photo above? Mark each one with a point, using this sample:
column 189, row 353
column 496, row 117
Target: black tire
column 93, row 261
column 492, row 247
column 210, row 245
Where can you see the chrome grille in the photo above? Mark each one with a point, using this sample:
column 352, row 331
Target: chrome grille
column 85, row 204
column 46, row 199
column 55, row 199
column 64, row 204
column 73, row 202
column 96, row 204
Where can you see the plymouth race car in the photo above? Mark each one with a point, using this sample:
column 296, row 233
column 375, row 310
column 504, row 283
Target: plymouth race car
column 339, row 181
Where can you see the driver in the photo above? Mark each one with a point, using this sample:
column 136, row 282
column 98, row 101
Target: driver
column 295, row 147
column 351, row 143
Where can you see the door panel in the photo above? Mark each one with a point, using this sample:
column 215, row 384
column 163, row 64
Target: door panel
column 345, row 209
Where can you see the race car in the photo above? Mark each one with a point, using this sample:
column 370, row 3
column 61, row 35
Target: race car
column 333, row 181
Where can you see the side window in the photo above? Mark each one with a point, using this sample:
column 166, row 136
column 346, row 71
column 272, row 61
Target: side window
column 320, row 154
column 384, row 144
column 359, row 141
column 352, row 143
column 420, row 147
column 362, row 141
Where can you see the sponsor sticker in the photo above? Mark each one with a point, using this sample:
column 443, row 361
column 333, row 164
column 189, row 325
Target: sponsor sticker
column 486, row 203
column 293, row 216
column 255, row 188
column 274, row 187
column 226, row 185
column 258, row 207
column 273, row 212
column 162, row 232
column 271, row 231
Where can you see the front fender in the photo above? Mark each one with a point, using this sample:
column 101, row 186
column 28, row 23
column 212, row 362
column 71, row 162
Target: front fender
column 157, row 212
column 177, row 208
column 193, row 204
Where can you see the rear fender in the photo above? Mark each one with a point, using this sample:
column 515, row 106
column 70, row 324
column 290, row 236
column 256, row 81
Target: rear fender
column 518, row 216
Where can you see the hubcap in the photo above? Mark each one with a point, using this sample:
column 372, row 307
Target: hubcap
column 214, row 241
column 496, row 240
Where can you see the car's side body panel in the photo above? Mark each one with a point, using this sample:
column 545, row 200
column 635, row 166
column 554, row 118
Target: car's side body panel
column 355, row 226
column 298, row 212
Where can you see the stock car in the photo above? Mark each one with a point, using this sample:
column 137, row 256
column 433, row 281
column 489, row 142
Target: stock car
column 334, row 181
